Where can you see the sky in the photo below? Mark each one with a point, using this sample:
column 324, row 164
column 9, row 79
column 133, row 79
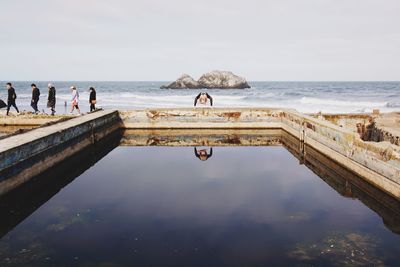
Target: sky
column 149, row 40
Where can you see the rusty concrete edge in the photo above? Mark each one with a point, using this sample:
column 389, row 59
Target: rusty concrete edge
column 51, row 160
column 41, row 139
column 34, row 134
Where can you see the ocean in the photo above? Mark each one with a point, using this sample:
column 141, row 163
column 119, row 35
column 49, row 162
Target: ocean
column 308, row 97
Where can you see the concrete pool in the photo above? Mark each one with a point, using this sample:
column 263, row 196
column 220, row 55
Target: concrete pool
column 144, row 197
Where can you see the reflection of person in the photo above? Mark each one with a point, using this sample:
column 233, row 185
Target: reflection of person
column 202, row 154
column 202, row 98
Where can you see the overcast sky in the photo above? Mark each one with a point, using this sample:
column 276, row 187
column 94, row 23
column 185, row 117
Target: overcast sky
column 161, row 39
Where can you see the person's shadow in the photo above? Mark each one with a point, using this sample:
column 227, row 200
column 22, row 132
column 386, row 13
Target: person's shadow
column 202, row 154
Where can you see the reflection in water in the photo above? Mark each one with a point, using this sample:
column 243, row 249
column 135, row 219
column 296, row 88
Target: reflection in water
column 23, row 201
column 202, row 154
column 151, row 206
column 345, row 182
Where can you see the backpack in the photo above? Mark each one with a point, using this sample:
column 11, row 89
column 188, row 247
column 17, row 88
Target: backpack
column 2, row 104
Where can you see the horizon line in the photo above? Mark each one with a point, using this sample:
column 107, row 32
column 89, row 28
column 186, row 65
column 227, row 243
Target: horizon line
column 5, row 81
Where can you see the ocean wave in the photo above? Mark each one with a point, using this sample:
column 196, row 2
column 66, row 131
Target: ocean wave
column 393, row 105
column 341, row 103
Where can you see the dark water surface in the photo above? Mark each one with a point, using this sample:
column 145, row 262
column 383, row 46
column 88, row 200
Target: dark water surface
column 162, row 206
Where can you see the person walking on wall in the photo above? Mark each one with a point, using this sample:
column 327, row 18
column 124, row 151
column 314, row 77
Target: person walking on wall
column 75, row 100
column 92, row 99
column 51, row 99
column 35, row 98
column 12, row 96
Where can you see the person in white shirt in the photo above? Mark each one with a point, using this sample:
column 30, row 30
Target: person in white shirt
column 75, row 100
column 203, row 98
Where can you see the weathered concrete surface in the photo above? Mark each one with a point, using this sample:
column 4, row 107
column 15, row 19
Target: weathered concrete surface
column 374, row 161
column 389, row 128
column 207, row 118
column 370, row 127
column 29, row 119
column 26, row 155
column 6, row 131
column 16, row 124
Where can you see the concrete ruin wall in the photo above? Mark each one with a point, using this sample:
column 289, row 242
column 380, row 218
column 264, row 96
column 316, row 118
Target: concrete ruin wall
column 370, row 127
column 197, row 118
column 26, row 155
column 379, row 162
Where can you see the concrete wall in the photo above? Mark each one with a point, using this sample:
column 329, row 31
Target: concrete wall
column 207, row 118
column 345, row 182
column 30, row 120
column 383, row 159
column 371, row 127
column 26, row 155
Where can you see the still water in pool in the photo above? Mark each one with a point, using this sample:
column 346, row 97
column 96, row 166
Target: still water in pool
column 162, row 206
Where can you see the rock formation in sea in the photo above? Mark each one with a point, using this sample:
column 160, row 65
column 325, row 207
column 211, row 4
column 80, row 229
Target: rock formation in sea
column 211, row 80
column 185, row 81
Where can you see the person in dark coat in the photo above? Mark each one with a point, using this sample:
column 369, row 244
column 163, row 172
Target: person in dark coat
column 35, row 97
column 92, row 99
column 51, row 99
column 12, row 96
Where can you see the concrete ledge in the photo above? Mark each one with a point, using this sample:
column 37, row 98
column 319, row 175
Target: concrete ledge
column 382, row 158
column 42, row 138
column 345, row 182
column 206, row 118
column 26, row 155
column 29, row 119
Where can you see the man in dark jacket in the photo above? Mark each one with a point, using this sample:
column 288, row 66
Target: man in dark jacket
column 51, row 99
column 12, row 96
column 35, row 97
column 92, row 99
